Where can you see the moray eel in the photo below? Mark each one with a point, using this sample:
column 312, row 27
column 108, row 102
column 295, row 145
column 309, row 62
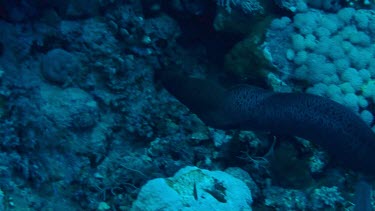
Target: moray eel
column 334, row 127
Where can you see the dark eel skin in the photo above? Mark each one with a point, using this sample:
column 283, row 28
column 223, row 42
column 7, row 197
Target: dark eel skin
column 338, row 130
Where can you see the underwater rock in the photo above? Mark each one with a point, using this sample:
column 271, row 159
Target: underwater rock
column 69, row 108
column 194, row 189
column 58, row 66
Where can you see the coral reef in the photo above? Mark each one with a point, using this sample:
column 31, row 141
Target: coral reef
column 86, row 124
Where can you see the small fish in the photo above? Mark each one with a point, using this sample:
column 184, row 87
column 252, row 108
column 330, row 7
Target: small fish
column 195, row 191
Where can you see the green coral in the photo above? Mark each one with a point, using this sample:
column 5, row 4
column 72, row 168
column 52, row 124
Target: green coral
column 246, row 59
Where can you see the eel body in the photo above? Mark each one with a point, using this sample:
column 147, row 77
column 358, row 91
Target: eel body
column 338, row 130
